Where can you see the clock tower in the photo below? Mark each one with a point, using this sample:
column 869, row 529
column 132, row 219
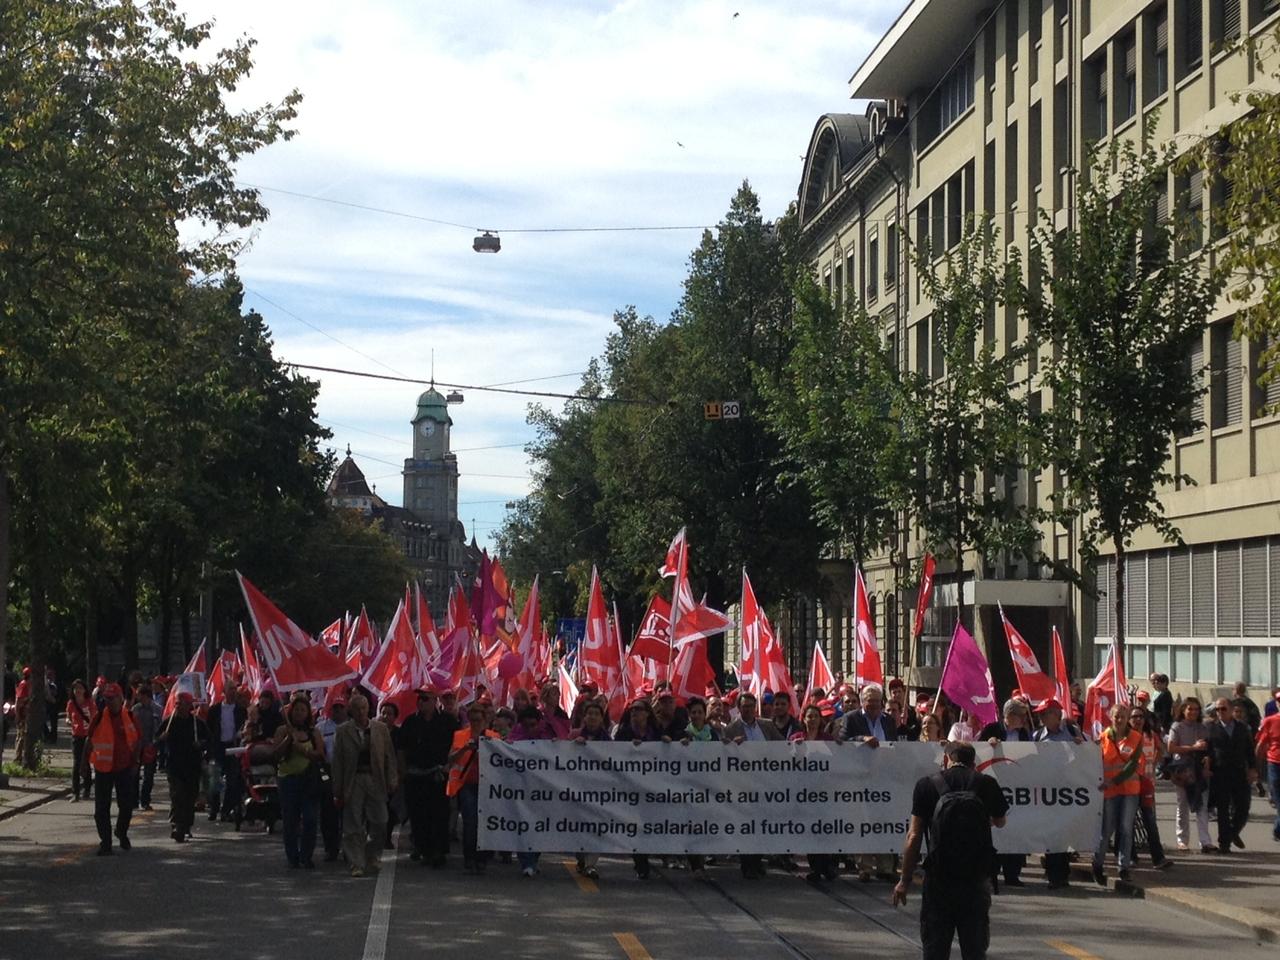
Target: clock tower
column 431, row 474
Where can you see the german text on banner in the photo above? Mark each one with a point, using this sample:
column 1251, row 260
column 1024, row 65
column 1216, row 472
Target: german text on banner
column 768, row 798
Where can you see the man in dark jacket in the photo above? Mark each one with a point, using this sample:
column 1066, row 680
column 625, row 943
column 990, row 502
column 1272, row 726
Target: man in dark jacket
column 870, row 725
column 1015, row 727
column 425, row 740
column 226, row 720
column 1234, row 766
column 187, row 739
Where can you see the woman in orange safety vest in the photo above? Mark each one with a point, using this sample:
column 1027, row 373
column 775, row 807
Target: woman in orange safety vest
column 1122, row 767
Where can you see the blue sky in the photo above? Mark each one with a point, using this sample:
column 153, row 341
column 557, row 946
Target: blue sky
column 510, row 114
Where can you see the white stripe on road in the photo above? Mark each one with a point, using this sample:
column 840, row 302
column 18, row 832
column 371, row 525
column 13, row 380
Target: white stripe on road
column 375, row 942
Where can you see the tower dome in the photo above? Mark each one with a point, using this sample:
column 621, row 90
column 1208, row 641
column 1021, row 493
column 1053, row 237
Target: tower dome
column 433, row 404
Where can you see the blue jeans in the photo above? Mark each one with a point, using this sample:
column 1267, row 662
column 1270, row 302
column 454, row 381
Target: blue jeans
column 299, row 809
column 528, row 860
column 1118, row 814
column 1273, row 778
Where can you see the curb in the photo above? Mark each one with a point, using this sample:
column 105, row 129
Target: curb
column 1264, row 927
column 8, row 812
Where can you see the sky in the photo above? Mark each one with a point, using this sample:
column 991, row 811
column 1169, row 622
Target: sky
column 506, row 115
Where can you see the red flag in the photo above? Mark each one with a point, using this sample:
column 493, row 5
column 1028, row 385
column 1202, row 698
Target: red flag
column 468, row 673
column 224, row 671
column 820, row 675
column 362, row 644
column 866, row 648
column 691, row 671
column 768, row 667
column 677, row 557
column 1062, row 682
column 1034, row 682
column 1109, row 687
column 198, row 665
column 295, row 660
column 252, row 671
column 924, row 592
column 568, row 691
column 199, row 662
column 427, row 626
column 399, row 667
column 653, row 641
column 331, row 637
column 599, row 660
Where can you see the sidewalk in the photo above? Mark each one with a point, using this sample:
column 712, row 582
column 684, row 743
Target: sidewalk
column 1241, row 888
column 24, row 794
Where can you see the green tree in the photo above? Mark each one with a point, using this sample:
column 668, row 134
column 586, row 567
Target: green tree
column 1122, row 313
column 113, row 135
column 832, row 408
column 964, row 415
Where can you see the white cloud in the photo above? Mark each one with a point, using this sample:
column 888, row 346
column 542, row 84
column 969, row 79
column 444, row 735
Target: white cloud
column 507, row 114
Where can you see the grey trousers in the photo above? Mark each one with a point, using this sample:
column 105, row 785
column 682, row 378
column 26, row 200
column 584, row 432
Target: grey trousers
column 364, row 822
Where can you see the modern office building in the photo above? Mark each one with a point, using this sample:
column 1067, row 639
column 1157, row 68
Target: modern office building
column 977, row 107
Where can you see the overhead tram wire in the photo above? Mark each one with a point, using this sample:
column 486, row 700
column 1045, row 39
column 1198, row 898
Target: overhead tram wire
column 629, row 401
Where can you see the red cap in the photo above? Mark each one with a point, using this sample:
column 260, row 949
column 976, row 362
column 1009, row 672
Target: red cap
column 112, row 690
column 1050, row 704
column 1143, row 695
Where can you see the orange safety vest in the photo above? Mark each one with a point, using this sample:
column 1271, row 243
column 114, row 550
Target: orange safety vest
column 1118, row 754
column 102, row 739
column 460, row 770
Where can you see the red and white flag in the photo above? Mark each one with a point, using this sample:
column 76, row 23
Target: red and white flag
column 820, row 675
column 295, row 660
column 599, row 660
column 252, row 671
column 362, row 643
column 691, row 671
column 224, row 672
column 1061, row 681
column 676, row 562
column 866, row 648
column 402, row 667
column 1037, row 685
column 196, row 668
column 1109, row 687
column 923, row 593
column 653, row 640
column 331, row 637
column 767, row 669
column 568, row 691
column 427, row 626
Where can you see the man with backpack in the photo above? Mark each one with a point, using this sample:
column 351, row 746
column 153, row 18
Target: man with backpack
column 956, row 810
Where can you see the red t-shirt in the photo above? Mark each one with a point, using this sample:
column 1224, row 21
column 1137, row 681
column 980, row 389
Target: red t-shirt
column 1269, row 736
column 22, row 698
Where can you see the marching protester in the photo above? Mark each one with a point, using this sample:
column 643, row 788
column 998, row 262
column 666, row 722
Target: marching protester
column 1188, row 743
column 1053, row 729
column 907, row 720
column 822, row 866
column 669, row 719
column 364, row 776
column 1233, row 768
column 699, row 728
column 641, row 727
column 555, row 721
column 464, row 782
column 1161, row 704
column 964, row 729
column 330, row 819
column 146, row 714
column 1016, row 727
column 784, row 721
column 80, row 713
column 930, row 729
column 1122, row 764
column 114, row 748
column 871, row 726
column 426, row 738
column 186, row 739
column 225, row 721
column 299, row 751
column 1140, row 718
column 1268, row 759
column 594, row 729
column 956, row 810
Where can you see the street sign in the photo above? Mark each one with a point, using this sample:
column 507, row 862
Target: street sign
column 730, row 409
column 711, row 410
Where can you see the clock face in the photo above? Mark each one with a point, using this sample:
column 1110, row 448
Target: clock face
column 428, row 427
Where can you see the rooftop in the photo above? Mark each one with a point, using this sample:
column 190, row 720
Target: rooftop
column 919, row 49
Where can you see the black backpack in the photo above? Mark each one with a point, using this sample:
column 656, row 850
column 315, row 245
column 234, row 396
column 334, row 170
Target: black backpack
column 959, row 834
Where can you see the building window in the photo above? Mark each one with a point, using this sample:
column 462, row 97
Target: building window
column 838, row 279
column 1191, row 211
column 955, row 210
column 1160, row 45
column 891, row 256
column 1192, row 35
column 873, row 268
column 953, row 98
column 1195, row 366
column 1101, row 122
column 1227, row 17
column 1266, row 398
column 1127, row 91
column 1226, row 376
column 922, row 348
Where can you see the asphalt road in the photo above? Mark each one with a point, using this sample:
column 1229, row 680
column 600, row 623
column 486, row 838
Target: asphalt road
column 226, row 895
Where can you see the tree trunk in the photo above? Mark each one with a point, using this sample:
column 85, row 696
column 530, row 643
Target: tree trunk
column 1119, row 598
column 91, row 642
column 166, row 627
column 129, row 599
column 184, row 618
column 39, row 641
column 6, row 552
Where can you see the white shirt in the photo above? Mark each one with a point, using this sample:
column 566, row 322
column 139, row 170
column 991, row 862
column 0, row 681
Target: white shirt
column 752, row 731
column 963, row 732
column 328, row 729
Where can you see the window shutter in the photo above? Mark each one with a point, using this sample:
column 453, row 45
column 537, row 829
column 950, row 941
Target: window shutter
column 1228, row 592
column 1195, row 192
column 1193, row 33
column 1162, row 32
column 1158, row 593
column 1197, row 371
column 1232, row 378
column 1253, row 586
column 1179, row 592
column 1162, row 207
column 1131, row 56
column 1135, row 599
column 1202, row 591
column 1230, row 19
column 1270, row 392
column 1273, row 557
column 1106, row 592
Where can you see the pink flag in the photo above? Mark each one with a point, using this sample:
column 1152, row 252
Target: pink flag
column 1062, row 682
column 1034, row 682
column 820, row 674
column 866, row 648
column 966, row 679
column 1109, row 687
column 295, row 660
column 768, row 667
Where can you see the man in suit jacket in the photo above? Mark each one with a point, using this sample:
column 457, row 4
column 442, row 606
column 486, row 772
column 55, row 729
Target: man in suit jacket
column 225, row 721
column 1234, row 767
column 870, row 725
column 365, row 773
column 749, row 726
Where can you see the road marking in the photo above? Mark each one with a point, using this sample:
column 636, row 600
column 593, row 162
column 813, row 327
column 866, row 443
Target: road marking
column 1071, row 951
column 375, row 941
column 585, row 884
column 632, row 947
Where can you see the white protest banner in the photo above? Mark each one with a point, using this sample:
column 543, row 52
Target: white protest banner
column 1053, row 795
column 768, row 798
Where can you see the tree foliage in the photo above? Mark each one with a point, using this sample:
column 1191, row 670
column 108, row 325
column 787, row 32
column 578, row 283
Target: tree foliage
column 1121, row 312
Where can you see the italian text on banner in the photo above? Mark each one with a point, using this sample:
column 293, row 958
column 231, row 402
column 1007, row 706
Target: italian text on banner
column 761, row 797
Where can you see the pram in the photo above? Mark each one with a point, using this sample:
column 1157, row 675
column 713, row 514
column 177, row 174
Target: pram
column 261, row 802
